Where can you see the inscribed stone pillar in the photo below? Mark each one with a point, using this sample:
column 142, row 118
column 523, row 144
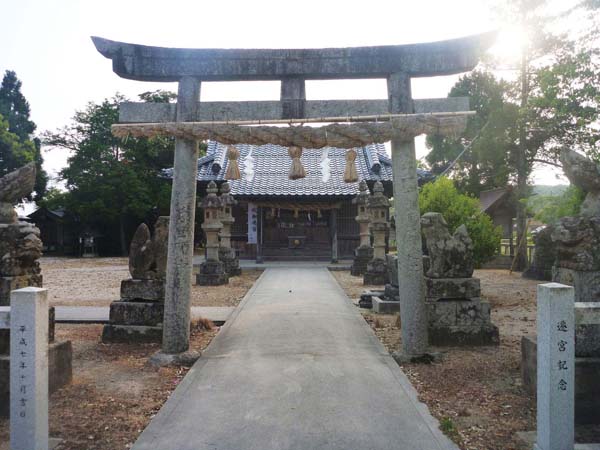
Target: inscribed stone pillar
column 408, row 225
column 555, row 367
column 176, row 329
column 29, row 369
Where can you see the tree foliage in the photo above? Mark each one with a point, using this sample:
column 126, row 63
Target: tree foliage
column 17, row 147
column 112, row 184
column 443, row 197
column 550, row 208
column 550, row 102
column 484, row 165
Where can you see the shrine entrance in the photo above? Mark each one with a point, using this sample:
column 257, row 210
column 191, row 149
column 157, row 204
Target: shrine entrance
column 293, row 233
column 352, row 123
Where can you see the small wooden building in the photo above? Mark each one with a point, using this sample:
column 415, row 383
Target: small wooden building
column 59, row 231
column 312, row 218
column 501, row 205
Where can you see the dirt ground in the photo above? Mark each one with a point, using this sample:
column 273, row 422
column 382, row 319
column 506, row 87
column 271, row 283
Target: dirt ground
column 97, row 282
column 476, row 393
column 114, row 394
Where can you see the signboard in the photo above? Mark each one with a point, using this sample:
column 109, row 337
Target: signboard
column 252, row 223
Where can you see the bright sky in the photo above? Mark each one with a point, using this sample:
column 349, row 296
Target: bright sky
column 48, row 44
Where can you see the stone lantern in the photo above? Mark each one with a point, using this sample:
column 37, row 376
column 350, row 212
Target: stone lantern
column 364, row 252
column 378, row 205
column 212, row 272
column 227, row 255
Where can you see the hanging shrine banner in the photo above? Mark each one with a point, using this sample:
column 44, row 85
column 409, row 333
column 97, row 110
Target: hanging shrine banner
column 252, row 223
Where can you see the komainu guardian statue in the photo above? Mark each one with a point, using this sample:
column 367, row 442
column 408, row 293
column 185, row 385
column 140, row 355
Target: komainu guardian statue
column 20, row 244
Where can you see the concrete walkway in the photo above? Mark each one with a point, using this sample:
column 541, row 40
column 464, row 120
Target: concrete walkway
column 295, row 367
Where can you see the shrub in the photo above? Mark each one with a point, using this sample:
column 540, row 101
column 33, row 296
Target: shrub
column 443, row 197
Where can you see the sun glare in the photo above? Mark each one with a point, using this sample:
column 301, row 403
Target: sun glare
column 509, row 44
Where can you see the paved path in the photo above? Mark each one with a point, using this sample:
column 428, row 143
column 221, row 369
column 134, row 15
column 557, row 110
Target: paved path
column 295, row 367
column 99, row 314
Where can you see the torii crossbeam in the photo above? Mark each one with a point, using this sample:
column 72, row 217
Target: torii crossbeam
column 189, row 67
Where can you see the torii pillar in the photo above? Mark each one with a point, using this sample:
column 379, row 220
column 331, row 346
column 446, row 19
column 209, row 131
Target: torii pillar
column 176, row 322
column 408, row 227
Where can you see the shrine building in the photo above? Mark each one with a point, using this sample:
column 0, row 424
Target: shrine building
column 311, row 218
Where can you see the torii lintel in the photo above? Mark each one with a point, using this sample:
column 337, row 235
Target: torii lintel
column 148, row 63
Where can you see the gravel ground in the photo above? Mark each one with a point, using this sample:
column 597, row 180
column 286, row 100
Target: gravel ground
column 97, row 282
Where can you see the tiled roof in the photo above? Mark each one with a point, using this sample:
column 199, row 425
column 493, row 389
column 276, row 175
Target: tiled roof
column 272, row 164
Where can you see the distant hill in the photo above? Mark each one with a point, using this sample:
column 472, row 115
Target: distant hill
column 547, row 189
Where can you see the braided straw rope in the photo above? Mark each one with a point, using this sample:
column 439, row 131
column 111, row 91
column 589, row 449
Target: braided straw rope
column 345, row 135
column 233, row 168
column 350, row 173
column 296, row 169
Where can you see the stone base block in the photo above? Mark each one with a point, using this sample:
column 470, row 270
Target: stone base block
column 136, row 313
column 212, row 273
column 362, row 256
column 383, row 306
column 586, row 284
column 464, row 335
column 151, row 290
column 587, row 340
column 231, row 263
column 366, row 298
column 60, row 372
column 376, row 272
column 451, row 288
column 8, row 284
column 587, row 388
column 131, row 333
column 392, row 292
column 185, row 359
column 465, row 322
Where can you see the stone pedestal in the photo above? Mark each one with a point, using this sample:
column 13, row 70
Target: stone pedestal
column 587, row 373
column 362, row 256
column 138, row 315
column 376, row 272
column 231, row 263
column 585, row 282
column 456, row 315
column 212, row 273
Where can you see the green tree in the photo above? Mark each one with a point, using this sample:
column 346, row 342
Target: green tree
column 112, row 184
column 484, row 166
column 15, row 110
column 550, row 208
column 552, row 102
column 553, row 105
column 443, row 197
column 13, row 152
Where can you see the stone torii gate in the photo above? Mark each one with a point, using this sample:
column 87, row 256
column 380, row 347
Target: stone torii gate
column 190, row 67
